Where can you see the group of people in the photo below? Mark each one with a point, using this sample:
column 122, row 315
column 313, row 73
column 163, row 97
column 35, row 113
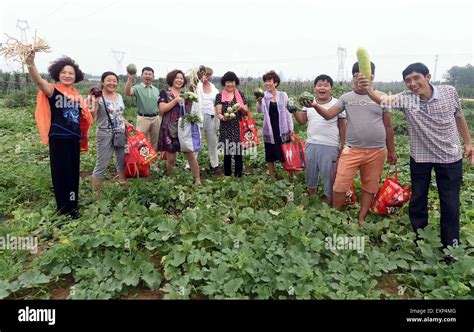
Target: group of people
column 344, row 136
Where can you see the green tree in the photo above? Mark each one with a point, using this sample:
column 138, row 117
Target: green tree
column 461, row 76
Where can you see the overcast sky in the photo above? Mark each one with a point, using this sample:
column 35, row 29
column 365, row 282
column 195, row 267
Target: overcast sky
column 298, row 38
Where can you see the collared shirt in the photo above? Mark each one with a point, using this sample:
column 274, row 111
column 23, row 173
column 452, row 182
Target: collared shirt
column 147, row 98
column 434, row 136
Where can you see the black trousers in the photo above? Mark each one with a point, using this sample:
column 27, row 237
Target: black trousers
column 448, row 180
column 64, row 156
column 239, row 164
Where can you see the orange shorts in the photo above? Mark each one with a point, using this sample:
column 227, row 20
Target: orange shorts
column 369, row 161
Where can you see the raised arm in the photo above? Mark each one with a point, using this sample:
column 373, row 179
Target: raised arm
column 128, row 85
column 325, row 113
column 366, row 85
column 42, row 84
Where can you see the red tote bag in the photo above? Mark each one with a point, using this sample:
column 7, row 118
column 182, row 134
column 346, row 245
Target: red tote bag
column 294, row 154
column 248, row 132
column 140, row 146
column 391, row 196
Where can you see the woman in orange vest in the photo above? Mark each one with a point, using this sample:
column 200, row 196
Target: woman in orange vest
column 63, row 120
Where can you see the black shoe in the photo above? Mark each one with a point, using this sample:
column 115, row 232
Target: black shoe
column 214, row 170
column 449, row 260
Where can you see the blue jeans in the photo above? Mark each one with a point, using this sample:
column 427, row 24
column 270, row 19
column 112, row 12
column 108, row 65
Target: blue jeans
column 448, row 180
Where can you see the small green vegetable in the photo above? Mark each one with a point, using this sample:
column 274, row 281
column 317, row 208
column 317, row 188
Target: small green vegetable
column 235, row 107
column 305, row 96
column 258, row 93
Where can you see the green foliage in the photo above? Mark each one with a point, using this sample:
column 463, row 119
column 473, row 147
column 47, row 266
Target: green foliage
column 18, row 99
column 229, row 238
column 461, row 76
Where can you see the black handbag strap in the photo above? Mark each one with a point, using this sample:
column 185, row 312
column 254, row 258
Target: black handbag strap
column 108, row 115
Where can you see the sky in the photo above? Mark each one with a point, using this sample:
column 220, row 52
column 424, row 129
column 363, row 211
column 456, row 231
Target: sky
column 297, row 38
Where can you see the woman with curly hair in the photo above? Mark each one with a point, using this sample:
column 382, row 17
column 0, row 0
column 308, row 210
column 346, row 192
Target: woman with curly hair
column 63, row 120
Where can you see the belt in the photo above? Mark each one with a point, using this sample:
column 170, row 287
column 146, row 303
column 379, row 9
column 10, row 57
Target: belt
column 148, row 115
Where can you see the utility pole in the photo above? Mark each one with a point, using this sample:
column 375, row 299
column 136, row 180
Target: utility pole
column 341, row 56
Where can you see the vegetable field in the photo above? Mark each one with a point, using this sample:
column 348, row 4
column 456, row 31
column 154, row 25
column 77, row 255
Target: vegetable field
column 245, row 238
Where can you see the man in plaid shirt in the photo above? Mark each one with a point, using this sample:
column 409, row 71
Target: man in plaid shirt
column 435, row 122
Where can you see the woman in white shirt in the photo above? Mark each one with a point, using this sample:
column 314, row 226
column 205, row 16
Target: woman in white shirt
column 207, row 95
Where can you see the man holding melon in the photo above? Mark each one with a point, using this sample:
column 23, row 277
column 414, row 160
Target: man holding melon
column 148, row 118
column 435, row 123
column 369, row 141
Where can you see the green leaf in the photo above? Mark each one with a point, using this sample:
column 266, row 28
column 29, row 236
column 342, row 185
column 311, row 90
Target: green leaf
column 177, row 259
column 153, row 280
column 231, row 287
column 32, row 278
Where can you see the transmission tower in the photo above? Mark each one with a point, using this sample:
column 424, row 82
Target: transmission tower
column 341, row 56
column 22, row 25
column 435, row 68
column 118, row 55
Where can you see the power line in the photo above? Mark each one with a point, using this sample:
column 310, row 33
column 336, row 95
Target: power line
column 386, row 57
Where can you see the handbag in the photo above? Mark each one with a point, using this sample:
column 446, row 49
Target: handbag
column 248, row 132
column 119, row 138
column 391, row 196
column 294, row 154
column 133, row 168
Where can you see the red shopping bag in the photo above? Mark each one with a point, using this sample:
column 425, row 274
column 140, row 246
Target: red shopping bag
column 84, row 142
column 133, row 168
column 391, row 196
column 294, row 155
column 140, row 146
column 248, row 132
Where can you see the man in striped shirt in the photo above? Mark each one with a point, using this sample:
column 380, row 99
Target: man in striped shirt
column 435, row 121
